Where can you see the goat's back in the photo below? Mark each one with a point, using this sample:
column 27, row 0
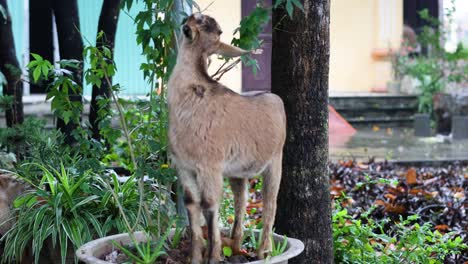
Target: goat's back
column 224, row 127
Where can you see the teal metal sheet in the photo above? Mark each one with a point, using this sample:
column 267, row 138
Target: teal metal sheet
column 17, row 16
column 127, row 53
column 16, row 11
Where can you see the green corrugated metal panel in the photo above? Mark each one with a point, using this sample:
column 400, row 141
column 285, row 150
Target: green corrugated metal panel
column 16, row 10
column 127, row 53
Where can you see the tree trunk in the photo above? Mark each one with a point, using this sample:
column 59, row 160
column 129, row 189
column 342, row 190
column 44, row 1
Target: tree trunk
column 70, row 47
column 108, row 25
column 41, row 37
column 10, row 67
column 300, row 61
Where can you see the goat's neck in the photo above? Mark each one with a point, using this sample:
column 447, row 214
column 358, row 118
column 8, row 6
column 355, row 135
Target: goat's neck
column 192, row 63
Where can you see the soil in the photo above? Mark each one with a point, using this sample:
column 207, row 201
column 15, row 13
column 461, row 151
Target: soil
column 181, row 255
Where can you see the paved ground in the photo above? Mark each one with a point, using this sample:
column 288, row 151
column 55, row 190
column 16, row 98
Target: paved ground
column 381, row 143
column 397, row 144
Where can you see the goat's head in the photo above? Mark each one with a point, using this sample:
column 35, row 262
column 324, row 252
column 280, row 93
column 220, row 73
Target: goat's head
column 203, row 32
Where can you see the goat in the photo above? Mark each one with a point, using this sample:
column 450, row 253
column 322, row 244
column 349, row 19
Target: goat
column 10, row 188
column 215, row 133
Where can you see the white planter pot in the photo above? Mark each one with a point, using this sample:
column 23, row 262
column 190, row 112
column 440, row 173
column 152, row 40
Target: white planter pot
column 92, row 251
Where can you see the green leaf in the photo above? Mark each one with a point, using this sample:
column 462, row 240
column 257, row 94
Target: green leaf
column 278, row 3
column 37, row 57
column 298, row 4
column 32, row 64
column 66, row 115
column 37, row 73
column 45, row 70
column 93, row 220
column 289, row 8
column 227, row 251
column 85, row 201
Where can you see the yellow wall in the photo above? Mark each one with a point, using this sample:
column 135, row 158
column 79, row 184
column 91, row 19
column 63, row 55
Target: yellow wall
column 228, row 15
column 358, row 27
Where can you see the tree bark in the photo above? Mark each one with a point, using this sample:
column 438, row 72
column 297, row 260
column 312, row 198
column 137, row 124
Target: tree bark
column 41, row 37
column 108, row 25
column 70, row 47
column 300, row 61
column 10, row 67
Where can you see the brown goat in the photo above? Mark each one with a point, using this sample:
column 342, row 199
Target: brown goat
column 215, row 133
column 10, row 188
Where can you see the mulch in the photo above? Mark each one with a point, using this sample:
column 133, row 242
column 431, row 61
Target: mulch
column 436, row 194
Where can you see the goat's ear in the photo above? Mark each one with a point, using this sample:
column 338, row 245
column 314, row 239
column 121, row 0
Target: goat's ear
column 230, row 51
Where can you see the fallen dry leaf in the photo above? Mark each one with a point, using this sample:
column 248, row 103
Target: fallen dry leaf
column 375, row 128
column 363, row 166
column 394, row 208
column 411, row 176
column 459, row 195
column 430, row 181
column 416, row 191
column 336, row 190
column 380, row 202
column 390, row 196
column 441, row 228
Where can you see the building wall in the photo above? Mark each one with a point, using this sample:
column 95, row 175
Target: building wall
column 228, row 15
column 360, row 31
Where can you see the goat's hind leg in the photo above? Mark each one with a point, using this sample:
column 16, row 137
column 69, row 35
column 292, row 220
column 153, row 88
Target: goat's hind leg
column 239, row 188
column 271, row 183
column 192, row 203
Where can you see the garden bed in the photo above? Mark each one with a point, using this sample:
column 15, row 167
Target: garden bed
column 381, row 203
column 400, row 197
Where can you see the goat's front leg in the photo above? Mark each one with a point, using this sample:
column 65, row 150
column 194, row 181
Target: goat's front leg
column 239, row 188
column 212, row 188
column 271, row 183
column 192, row 203
column 194, row 214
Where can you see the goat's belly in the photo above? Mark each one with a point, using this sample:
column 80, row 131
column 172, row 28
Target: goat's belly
column 244, row 170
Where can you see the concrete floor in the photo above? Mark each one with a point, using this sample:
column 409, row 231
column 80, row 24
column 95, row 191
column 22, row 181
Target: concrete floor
column 398, row 144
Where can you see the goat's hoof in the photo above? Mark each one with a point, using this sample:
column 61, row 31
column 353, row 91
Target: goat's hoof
column 263, row 254
column 194, row 261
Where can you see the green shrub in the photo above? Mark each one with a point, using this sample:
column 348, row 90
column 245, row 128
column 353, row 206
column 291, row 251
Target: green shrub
column 69, row 208
column 365, row 240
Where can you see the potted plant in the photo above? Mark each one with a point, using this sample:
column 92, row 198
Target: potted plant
column 398, row 60
column 435, row 71
column 95, row 251
column 422, row 125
